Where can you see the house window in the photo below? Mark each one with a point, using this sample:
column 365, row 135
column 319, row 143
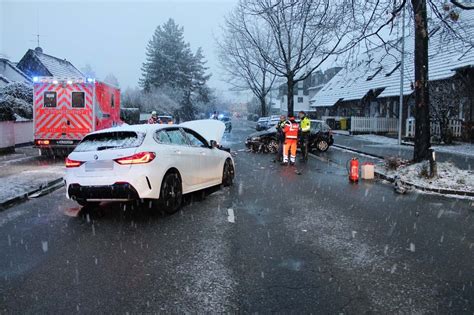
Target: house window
column 49, row 99
column 78, row 100
column 300, row 99
column 112, row 100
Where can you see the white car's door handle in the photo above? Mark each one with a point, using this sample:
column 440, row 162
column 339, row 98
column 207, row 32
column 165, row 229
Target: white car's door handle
column 202, row 153
column 177, row 151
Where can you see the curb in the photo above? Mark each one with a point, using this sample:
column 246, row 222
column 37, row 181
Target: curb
column 380, row 175
column 19, row 160
column 358, row 151
column 42, row 190
column 442, row 191
column 342, row 134
column 405, row 143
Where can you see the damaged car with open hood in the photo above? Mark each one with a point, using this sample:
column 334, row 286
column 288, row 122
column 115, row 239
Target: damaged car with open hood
column 320, row 139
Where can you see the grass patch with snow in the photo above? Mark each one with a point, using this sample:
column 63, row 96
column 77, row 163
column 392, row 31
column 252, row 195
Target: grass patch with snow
column 449, row 176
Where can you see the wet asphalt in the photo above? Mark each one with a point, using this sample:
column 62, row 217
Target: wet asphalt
column 282, row 239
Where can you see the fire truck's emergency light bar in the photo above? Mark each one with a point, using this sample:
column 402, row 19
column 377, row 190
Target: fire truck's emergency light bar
column 54, row 80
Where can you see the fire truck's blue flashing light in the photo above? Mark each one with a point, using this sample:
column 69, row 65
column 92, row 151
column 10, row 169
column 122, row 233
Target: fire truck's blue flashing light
column 90, row 80
column 35, row 79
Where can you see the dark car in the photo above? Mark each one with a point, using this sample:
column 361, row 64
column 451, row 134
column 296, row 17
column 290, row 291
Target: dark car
column 262, row 123
column 320, row 139
column 167, row 120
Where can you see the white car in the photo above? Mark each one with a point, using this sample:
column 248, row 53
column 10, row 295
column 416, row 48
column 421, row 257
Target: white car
column 153, row 162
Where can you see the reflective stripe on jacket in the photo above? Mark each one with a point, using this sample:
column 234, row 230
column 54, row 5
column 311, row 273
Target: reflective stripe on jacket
column 305, row 124
column 291, row 130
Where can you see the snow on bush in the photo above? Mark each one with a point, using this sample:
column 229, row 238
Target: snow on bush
column 16, row 98
column 449, row 176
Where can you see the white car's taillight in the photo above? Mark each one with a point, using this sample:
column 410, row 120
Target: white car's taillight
column 139, row 158
column 72, row 163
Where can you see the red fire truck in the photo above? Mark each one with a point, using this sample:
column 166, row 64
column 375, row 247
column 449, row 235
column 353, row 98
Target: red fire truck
column 66, row 109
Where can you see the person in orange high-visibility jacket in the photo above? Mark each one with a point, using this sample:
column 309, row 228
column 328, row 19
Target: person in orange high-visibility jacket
column 291, row 140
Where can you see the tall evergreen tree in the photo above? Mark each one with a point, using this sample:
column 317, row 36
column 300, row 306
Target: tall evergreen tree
column 199, row 77
column 164, row 57
column 171, row 63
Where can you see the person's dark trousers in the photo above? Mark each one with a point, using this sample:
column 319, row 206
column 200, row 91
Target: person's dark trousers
column 304, row 146
column 280, row 150
column 281, row 143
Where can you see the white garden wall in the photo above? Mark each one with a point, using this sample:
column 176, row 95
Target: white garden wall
column 14, row 133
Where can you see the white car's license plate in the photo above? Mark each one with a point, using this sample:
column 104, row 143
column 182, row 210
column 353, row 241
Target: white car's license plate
column 99, row 166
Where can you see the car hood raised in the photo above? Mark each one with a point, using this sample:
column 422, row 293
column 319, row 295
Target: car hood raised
column 267, row 132
column 210, row 129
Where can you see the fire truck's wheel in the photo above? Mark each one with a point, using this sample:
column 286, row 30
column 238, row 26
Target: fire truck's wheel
column 46, row 152
column 60, row 153
column 322, row 145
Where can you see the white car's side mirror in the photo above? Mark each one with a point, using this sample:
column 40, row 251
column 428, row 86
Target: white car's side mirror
column 214, row 144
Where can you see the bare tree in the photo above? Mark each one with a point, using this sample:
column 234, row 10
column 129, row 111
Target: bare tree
column 421, row 84
column 245, row 67
column 465, row 5
column 306, row 33
column 428, row 16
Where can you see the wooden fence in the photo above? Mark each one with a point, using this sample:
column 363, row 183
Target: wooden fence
column 454, row 124
column 373, row 125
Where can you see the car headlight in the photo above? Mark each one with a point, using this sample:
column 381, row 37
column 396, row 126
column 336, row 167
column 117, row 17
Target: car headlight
column 255, row 139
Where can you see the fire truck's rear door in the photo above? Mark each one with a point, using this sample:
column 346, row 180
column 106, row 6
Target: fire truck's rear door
column 78, row 119
column 48, row 117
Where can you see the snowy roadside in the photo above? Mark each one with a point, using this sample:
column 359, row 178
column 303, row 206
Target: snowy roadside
column 377, row 139
column 450, row 179
column 22, row 184
column 458, row 149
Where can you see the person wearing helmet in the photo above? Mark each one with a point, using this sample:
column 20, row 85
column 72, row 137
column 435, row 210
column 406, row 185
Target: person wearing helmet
column 154, row 118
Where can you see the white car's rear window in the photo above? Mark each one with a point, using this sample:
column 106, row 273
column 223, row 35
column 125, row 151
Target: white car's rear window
column 110, row 140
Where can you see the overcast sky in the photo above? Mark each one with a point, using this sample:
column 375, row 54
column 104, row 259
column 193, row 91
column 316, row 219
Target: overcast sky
column 111, row 36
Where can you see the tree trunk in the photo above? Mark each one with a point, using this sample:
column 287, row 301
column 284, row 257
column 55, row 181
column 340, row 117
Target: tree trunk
column 263, row 107
column 290, row 84
column 422, row 111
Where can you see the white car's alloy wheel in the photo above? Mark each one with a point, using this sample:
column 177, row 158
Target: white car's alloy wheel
column 322, row 145
column 171, row 195
column 228, row 173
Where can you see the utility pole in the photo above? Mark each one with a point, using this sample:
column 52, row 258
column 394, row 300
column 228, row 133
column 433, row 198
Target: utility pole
column 402, row 80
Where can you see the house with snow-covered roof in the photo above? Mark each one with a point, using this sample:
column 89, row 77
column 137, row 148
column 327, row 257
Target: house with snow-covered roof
column 370, row 87
column 35, row 63
column 304, row 91
column 9, row 73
